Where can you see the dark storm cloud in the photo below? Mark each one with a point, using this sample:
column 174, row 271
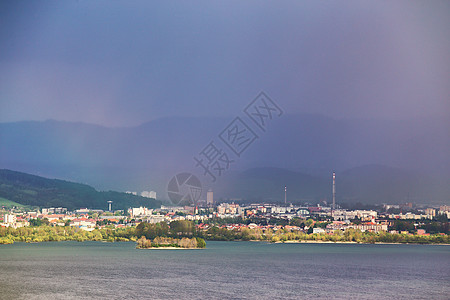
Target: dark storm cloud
column 120, row 63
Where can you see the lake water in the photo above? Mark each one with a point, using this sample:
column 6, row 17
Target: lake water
column 225, row 270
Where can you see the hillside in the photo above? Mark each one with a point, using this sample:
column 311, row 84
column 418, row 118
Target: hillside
column 34, row 190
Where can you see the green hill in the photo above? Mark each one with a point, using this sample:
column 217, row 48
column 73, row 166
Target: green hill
column 34, row 190
column 8, row 203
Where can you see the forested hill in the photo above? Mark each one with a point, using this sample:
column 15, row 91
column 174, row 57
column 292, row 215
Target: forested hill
column 27, row 189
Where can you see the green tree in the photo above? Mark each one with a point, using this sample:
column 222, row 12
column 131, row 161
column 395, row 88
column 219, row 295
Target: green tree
column 38, row 222
column 201, row 243
column 309, row 222
column 182, row 228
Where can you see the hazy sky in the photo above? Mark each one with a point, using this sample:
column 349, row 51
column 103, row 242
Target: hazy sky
column 121, row 63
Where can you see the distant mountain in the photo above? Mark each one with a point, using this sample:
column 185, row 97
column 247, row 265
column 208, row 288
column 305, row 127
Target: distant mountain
column 34, row 190
column 382, row 184
column 147, row 156
column 267, row 184
column 370, row 184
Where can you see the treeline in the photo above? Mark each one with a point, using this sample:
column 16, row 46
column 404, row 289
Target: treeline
column 46, row 233
column 187, row 229
column 349, row 235
column 157, row 242
column 431, row 226
column 440, row 223
column 175, row 229
column 42, row 232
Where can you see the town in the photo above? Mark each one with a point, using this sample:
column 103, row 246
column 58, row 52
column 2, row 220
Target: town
column 407, row 219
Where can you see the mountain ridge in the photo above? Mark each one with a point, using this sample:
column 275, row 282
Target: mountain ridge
column 370, row 184
column 145, row 157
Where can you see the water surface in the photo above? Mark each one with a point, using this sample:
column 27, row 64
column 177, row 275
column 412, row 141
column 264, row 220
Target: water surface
column 225, row 270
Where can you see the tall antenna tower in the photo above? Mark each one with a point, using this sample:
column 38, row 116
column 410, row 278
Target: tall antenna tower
column 285, row 195
column 109, row 205
column 334, row 192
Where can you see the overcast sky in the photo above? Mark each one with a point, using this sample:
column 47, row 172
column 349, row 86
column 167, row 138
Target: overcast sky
column 122, row 63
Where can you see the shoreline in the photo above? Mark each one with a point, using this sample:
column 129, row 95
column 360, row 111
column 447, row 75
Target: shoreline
column 168, row 248
column 315, row 242
column 260, row 241
column 356, row 243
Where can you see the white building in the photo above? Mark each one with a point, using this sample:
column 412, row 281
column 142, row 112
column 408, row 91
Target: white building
column 278, row 210
column 149, row 194
column 303, row 212
column 82, row 211
column 153, row 219
column 430, row 212
column 318, row 230
column 9, row 219
column 227, row 208
column 88, row 225
column 172, row 209
column 140, row 211
column 372, row 227
column 364, row 215
column 54, row 210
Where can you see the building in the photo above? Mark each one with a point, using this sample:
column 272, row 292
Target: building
column 409, row 216
column 421, row 232
column 139, row 211
column 370, row 226
column 363, row 215
column 278, row 209
column 430, row 212
column 9, row 219
column 82, row 211
column 149, row 194
column 227, row 208
column 83, row 223
column 153, row 219
column 54, row 210
column 171, row 209
column 318, row 230
column 303, row 213
column 444, row 208
column 210, row 198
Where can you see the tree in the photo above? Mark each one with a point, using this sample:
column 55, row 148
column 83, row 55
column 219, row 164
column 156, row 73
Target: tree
column 38, row 222
column 201, row 243
column 441, row 218
column 403, row 226
column 182, row 228
column 298, row 222
column 309, row 222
